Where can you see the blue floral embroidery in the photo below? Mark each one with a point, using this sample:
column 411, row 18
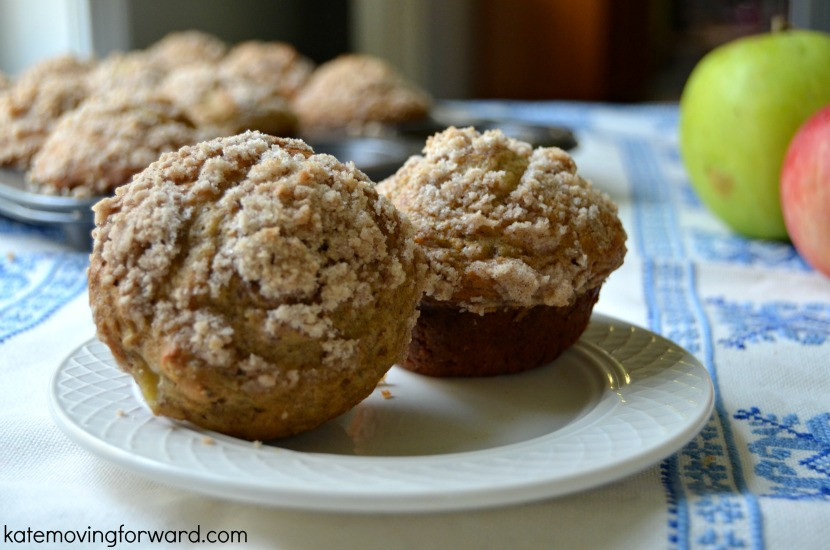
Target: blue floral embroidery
column 797, row 463
column 39, row 285
column 807, row 324
column 738, row 250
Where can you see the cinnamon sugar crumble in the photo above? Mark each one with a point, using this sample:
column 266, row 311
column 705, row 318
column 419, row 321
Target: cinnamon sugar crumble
column 355, row 90
column 223, row 249
column 504, row 225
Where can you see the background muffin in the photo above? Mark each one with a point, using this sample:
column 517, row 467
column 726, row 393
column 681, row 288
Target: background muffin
column 275, row 67
column 353, row 91
column 181, row 48
column 252, row 287
column 100, row 145
column 518, row 245
column 223, row 105
column 31, row 107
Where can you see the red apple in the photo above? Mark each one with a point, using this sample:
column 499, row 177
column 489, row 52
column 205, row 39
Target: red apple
column 805, row 190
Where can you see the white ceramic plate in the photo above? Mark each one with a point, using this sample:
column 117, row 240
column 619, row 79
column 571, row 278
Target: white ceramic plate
column 618, row 401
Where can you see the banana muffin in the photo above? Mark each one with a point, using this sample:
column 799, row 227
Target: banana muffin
column 31, row 106
column 253, row 287
column 100, row 145
column 180, row 48
column 355, row 91
column 518, row 245
column 222, row 104
column 275, row 67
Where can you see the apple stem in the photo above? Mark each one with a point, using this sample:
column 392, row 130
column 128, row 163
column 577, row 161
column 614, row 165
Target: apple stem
column 779, row 23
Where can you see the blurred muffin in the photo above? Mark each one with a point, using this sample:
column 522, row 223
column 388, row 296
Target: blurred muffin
column 518, row 245
column 132, row 71
column 5, row 81
column 276, row 67
column 31, row 107
column 353, row 92
column 252, row 287
column 100, row 145
column 224, row 105
column 181, row 48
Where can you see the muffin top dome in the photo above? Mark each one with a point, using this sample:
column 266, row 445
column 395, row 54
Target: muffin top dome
column 504, row 225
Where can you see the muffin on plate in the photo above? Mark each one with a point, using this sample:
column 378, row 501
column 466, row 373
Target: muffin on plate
column 31, row 106
column 253, row 287
column 354, row 91
column 100, row 145
column 518, row 246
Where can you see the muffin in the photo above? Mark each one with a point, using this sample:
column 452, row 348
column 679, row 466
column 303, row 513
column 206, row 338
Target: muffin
column 30, row 108
column 353, row 92
column 275, row 67
column 5, row 81
column 253, row 287
column 132, row 71
column 518, row 246
column 181, row 48
column 100, row 145
column 224, row 105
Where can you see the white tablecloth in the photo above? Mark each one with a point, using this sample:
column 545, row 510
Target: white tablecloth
column 752, row 312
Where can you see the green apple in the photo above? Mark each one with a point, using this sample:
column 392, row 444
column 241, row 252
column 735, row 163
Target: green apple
column 739, row 109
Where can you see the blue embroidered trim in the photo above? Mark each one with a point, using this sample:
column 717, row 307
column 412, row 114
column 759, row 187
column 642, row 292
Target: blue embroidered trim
column 708, row 502
column 750, row 252
column 807, row 324
column 64, row 278
column 795, row 462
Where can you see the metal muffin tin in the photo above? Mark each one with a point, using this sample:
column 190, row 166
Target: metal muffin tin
column 378, row 157
column 73, row 215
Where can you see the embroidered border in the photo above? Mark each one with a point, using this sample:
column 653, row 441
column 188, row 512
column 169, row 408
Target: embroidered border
column 708, row 503
column 64, row 278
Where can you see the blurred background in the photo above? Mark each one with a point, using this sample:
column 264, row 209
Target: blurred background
column 597, row 50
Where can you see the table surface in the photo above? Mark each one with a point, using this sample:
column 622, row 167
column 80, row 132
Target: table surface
column 753, row 313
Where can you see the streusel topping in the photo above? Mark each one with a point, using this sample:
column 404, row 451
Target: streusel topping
column 227, row 243
column 504, row 225
column 110, row 137
column 358, row 89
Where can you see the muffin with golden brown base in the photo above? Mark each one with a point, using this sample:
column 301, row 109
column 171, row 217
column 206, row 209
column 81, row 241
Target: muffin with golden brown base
column 518, row 246
column 252, row 287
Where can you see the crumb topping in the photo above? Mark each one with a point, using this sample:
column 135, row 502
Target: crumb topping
column 253, row 255
column 100, row 145
column 31, row 107
column 276, row 67
column 357, row 89
column 181, row 48
column 504, row 225
column 224, row 104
